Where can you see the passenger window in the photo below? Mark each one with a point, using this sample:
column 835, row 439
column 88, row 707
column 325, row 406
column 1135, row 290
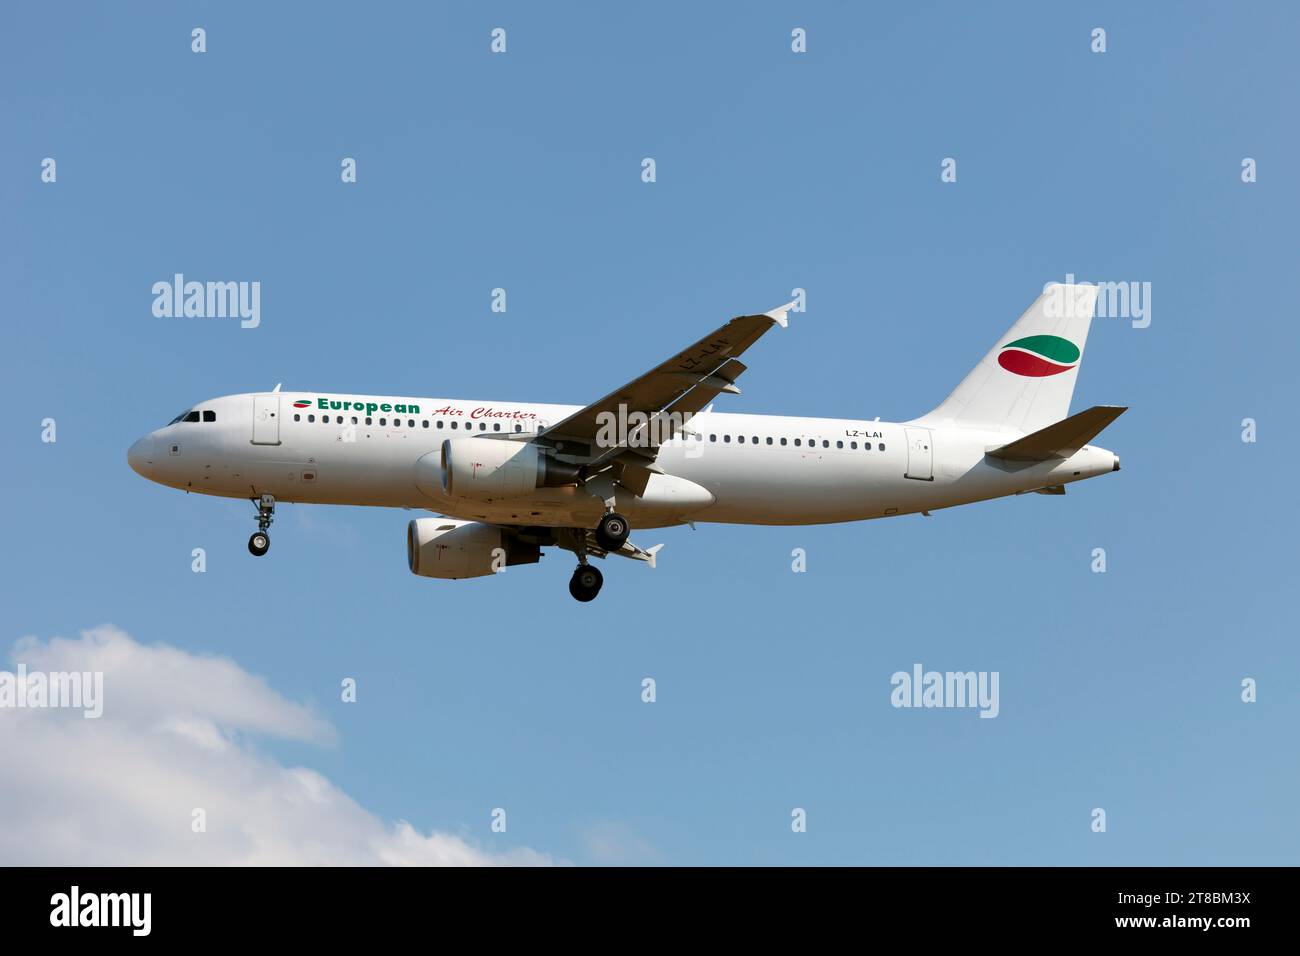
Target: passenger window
column 882, row 446
column 740, row 439
column 209, row 416
column 839, row 444
column 519, row 428
column 369, row 421
column 454, row 425
column 496, row 426
column 311, row 418
column 440, row 423
column 782, row 441
column 482, row 426
column 383, row 421
column 769, row 439
column 796, row 443
column 410, row 423
column 354, row 419
column 426, row 422
column 297, row 418
column 726, row 439
column 713, row 438
column 825, row 443
column 754, row 440
column 853, row 445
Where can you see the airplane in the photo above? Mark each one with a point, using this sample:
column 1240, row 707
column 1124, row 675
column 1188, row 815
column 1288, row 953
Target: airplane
column 504, row 479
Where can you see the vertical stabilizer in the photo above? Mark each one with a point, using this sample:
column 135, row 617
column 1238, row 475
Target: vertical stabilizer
column 1026, row 380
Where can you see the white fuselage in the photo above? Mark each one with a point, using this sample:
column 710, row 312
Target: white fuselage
column 753, row 469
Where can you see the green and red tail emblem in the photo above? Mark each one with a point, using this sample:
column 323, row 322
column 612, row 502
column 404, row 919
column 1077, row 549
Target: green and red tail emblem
column 302, row 403
column 1038, row 356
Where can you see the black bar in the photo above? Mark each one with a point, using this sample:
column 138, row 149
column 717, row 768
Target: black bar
column 209, row 905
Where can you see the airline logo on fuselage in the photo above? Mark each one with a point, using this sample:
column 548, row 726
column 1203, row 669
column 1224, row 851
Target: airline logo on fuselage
column 410, row 408
column 329, row 405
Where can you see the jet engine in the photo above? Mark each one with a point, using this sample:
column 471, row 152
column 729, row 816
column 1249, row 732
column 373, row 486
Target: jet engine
column 487, row 469
column 446, row 548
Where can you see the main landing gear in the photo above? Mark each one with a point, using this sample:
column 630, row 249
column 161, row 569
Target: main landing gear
column 260, row 542
column 612, row 531
column 586, row 581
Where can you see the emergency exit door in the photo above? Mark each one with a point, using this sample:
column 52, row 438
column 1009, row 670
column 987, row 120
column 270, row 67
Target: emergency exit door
column 920, row 454
column 266, row 419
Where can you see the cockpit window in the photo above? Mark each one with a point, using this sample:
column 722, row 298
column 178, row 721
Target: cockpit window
column 194, row 415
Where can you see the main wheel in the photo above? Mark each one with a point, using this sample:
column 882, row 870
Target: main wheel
column 259, row 543
column 585, row 583
column 612, row 531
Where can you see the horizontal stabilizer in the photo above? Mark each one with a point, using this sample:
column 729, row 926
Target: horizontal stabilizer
column 1062, row 439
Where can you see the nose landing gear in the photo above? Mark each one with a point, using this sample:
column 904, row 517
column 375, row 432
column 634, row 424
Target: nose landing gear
column 260, row 542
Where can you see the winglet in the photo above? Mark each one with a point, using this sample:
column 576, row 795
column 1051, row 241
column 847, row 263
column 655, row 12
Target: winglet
column 651, row 552
column 778, row 315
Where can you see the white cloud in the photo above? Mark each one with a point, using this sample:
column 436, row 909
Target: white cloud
column 120, row 790
column 611, row 843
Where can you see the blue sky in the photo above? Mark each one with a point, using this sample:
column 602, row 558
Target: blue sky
column 775, row 171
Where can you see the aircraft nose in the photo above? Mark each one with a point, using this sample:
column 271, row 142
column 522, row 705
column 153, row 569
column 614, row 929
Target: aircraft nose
column 140, row 456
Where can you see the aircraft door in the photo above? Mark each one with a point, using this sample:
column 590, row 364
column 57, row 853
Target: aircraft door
column 920, row 455
column 266, row 419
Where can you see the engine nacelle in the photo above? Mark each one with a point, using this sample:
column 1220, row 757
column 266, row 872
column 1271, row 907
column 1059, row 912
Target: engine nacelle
column 488, row 469
column 446, row 548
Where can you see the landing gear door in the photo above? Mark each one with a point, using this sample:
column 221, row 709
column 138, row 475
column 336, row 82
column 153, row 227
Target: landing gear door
column 920, row 454
column 266, row 419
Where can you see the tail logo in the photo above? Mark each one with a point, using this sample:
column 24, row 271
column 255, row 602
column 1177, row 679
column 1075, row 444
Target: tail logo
column 302, row 403
column 1037, row 356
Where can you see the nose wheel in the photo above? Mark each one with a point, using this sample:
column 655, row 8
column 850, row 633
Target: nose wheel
column 585, row 583
column 612, row 531
column 260, row 542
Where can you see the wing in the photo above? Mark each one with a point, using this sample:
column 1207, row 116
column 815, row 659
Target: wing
column 683, row 384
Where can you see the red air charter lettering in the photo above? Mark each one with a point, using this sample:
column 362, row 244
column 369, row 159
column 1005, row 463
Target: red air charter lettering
column 494, row 413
